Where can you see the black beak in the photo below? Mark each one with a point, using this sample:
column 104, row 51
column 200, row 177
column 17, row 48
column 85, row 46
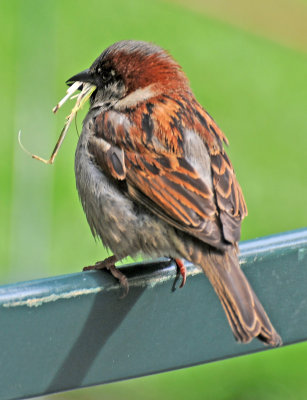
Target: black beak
column 84, row 76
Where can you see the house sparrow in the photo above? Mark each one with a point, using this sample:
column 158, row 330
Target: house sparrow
column 154, row 178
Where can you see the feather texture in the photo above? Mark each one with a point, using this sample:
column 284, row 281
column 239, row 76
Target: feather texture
column 151, row 140
column 154, row 177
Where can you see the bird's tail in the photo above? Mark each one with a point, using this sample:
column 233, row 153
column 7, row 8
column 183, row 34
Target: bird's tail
column 244, row 311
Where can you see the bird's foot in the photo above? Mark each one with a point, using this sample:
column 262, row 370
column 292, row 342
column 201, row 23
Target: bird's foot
column 109, row 264
column 181, row 269
column 106, row 263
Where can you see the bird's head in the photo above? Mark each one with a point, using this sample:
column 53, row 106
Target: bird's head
column 132, row 71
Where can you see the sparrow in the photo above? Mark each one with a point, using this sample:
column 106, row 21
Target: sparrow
column 154, row 179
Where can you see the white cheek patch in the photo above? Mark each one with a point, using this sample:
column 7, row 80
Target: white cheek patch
column 136, row 97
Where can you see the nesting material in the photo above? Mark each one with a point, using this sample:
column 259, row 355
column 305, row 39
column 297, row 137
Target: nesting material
column 82, row 97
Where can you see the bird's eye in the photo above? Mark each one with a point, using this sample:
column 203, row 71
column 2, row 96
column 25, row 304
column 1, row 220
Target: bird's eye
column 103, row 74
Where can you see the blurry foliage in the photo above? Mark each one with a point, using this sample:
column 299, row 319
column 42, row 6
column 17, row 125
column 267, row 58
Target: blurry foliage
column 254, row 88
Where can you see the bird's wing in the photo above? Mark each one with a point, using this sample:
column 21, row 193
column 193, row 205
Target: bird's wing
column 145, row 147
column 228, row 193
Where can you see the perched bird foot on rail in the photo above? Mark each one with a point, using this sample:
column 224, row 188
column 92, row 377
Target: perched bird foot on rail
column 109, row 264
column 181, row 270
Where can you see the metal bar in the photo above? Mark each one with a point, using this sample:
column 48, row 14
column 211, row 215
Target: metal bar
column 72, row 331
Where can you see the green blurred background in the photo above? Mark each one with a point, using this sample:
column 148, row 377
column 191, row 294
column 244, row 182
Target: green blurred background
column 247, row 64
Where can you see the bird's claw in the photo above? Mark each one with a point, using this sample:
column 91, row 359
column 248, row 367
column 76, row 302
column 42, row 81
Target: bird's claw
column 109, row 264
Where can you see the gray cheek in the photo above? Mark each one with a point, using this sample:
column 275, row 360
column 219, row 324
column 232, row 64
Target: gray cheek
column 108, row 96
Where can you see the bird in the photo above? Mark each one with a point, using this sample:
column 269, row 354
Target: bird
column 154, row 178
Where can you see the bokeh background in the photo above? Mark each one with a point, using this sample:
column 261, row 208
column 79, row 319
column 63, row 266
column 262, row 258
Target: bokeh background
column 247, row 64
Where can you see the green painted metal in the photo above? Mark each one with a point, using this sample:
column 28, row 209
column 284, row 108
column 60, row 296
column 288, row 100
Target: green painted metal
column 73, row 331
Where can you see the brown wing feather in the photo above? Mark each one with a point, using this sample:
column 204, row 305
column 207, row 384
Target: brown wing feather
column 177, row 195
column 229, row 196
column 159, row 176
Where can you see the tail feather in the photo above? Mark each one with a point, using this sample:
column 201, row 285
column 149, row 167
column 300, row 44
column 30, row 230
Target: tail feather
column 244, row 311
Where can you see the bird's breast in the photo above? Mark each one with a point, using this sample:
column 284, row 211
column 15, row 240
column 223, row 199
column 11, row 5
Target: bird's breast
column 123, row 226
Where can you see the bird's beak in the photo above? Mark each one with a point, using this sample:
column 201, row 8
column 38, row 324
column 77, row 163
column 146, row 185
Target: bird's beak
column 84, row 76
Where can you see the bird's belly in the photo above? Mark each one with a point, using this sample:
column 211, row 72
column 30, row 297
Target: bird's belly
column 124, row 227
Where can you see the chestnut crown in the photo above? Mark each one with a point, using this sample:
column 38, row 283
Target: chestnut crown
column 132, row 65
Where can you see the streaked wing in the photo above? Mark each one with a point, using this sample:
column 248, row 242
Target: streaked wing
column 149, row 154
column 229, row 197
column 228, row 193
column 176, row 194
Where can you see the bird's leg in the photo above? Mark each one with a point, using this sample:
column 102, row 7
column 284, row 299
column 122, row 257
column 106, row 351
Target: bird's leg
column 181, row 269
column 109, row 264
column 106, row 263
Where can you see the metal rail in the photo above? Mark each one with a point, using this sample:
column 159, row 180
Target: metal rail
column 72, row 331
